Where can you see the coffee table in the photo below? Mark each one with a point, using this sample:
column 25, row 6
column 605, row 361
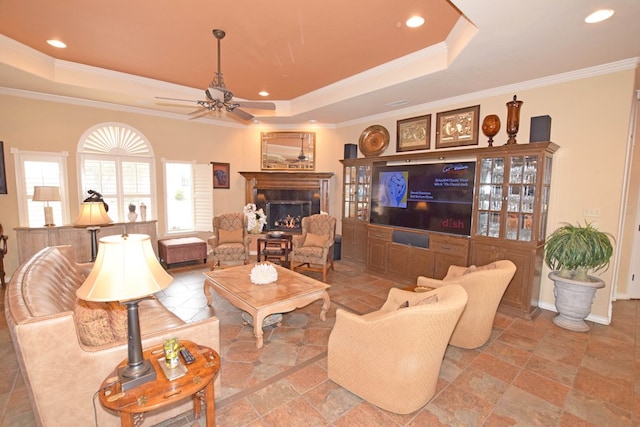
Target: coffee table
column 292, row 290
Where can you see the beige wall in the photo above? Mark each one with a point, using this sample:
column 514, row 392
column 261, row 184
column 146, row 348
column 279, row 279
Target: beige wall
column 590, row 121
column 35, row 125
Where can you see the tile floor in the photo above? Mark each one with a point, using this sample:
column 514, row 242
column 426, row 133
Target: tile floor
column 530, row 373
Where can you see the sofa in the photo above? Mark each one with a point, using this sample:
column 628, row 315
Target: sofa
column 62, row 366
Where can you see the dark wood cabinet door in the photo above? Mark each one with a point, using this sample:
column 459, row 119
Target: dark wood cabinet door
column 398, row 258
column 377, row 255
column 422, row 263
column 349, row 242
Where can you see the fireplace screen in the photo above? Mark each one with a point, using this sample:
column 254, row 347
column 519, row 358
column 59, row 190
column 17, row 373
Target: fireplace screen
column 287, row 215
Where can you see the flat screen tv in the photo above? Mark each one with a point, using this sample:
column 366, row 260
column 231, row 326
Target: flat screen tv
column 435, row 197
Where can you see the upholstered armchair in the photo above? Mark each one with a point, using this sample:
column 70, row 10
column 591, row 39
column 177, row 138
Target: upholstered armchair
column 485, row 286
column 313, row 249
column 230, row 240
column 392, row 357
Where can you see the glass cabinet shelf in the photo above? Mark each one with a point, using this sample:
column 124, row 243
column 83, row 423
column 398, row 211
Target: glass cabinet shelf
column 510, row 194
column 357, row 187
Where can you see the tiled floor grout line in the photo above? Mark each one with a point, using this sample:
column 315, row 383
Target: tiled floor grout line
column 262, row 384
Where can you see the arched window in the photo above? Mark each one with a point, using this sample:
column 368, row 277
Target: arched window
column 116, row 160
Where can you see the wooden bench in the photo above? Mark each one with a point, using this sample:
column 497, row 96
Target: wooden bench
column 173, row 251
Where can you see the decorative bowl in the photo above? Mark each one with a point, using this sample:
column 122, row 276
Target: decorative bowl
column 373, row 140
column 263, row 274
column 276, row 234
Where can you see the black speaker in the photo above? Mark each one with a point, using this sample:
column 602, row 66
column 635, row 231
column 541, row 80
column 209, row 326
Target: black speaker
column 540, row 129
column 350, row 151
column 409, row 238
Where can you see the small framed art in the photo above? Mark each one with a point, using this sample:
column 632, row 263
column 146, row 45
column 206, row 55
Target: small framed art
column 414, row 133
column 457, row 128
column 220, row 175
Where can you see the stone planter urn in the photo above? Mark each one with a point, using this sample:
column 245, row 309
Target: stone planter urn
column 573, row 301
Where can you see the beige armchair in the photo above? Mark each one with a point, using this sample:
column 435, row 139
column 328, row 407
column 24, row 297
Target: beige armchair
column 313, row 250
column 392, row 357
column 230, row 240
column 485, row 286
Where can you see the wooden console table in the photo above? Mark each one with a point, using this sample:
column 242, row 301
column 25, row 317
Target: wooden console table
column 32, row 240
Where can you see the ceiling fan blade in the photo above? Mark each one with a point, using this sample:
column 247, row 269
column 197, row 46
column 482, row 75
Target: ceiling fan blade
column 241, row 114
column 257, row 105
column 174, row 99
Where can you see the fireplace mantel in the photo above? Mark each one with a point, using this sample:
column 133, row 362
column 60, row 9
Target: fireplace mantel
column 314, row 181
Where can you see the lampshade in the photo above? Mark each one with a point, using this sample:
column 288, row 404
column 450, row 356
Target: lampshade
column 92, row 214
column 126, row 268
column 43, row 193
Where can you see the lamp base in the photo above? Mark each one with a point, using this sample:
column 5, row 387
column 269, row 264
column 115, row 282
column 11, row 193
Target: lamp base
column 131, row 377
column 48, row 216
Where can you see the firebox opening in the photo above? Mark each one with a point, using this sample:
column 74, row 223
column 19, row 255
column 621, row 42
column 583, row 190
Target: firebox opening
column 286, row 215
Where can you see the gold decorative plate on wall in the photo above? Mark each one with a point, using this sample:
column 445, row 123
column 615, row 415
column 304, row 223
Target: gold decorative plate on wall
column 374, row 140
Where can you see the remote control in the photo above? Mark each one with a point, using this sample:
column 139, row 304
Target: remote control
column 187, row 356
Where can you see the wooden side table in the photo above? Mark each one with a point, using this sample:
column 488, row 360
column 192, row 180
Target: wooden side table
column 196, row 383
column 275, row 249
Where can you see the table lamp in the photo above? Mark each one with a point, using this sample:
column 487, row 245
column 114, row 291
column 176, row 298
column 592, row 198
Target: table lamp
column 43, row 193
column 92, row 215
column 128, row 271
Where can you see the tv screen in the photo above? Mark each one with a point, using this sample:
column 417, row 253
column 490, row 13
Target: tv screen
column 434, row 197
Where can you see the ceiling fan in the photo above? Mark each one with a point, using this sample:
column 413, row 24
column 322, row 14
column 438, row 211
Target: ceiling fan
column 301, row 156
column 219, row 98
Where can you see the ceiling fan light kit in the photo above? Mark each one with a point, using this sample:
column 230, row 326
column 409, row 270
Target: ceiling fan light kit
column 219, row 98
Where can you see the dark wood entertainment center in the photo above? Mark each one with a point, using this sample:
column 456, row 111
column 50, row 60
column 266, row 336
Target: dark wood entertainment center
column 509, row 220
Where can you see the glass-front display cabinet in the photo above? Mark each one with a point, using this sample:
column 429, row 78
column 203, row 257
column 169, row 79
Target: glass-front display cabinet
column 355, row 215
column 357, row 187
column 513, row 196
column 513, row 187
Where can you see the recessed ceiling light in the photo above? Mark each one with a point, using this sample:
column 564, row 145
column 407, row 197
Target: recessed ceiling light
column 599, row 16
column 57, row 43
column 414, row 21
column 263, row 93
column 313, row 121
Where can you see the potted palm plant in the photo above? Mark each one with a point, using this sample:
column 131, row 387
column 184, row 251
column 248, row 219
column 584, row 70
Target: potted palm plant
column 572, row 251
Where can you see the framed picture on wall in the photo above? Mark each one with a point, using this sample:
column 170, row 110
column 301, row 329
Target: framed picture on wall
column 457, row 128
column 3, row 175
column 220, row 175
column 414, row 133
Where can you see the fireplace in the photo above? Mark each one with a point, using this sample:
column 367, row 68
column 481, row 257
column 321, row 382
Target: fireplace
column 286, row 215
column 287, row 196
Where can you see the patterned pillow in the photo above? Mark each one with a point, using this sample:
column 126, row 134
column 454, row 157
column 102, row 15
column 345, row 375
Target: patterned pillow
column 470, row 269
column 118, row 320
column 225, row 236
column 316, row 240
column 491, row 266
column 100, row 323
column 428, row 300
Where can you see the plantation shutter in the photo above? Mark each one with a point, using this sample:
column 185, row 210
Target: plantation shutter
column 203, row 197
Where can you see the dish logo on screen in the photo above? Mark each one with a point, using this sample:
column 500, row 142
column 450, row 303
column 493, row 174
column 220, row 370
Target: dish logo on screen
column 453, row 224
